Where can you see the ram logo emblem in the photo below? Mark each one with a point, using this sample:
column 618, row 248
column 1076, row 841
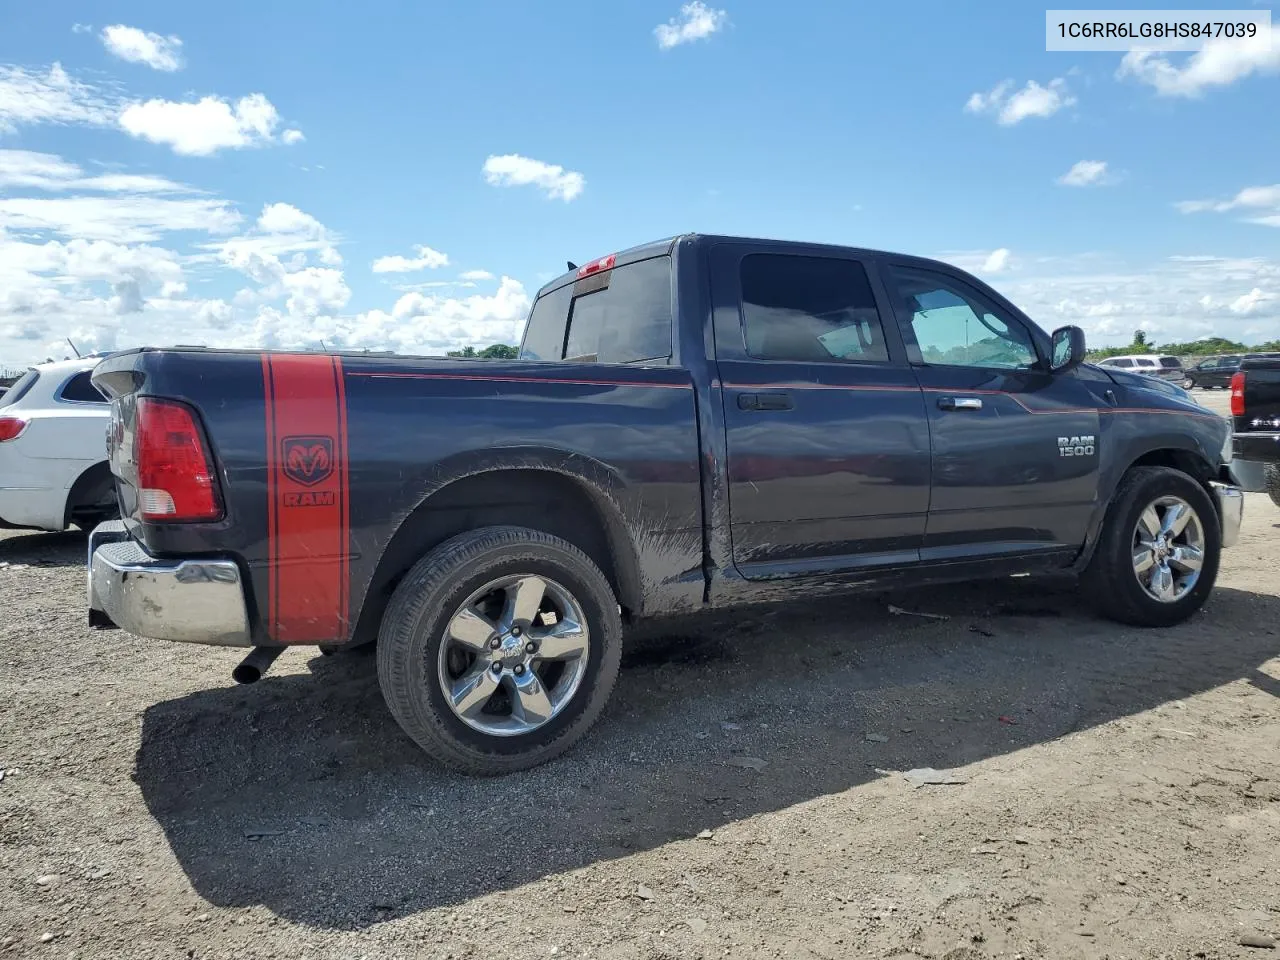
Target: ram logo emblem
column 307, row 460
column 1081, row 446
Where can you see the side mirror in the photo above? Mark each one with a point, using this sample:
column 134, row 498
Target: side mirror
column 1068, row 349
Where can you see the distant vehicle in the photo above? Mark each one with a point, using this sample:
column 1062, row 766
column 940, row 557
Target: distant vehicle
column 1255, row 415
column 53, row 454
column 1218, row 371
column 1147, row 364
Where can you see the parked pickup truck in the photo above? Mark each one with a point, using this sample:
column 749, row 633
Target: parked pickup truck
column 1255, row 414
column 701, row 422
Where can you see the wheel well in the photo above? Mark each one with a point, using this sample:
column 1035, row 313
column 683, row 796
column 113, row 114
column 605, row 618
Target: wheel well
column 83, row 492
column 541, row 499
column 1189, row 463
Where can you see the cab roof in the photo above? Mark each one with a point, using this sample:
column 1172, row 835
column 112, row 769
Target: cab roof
column 657, row 248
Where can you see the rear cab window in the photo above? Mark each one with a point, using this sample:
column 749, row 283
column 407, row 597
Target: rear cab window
column 20, row 388
column 622, row 315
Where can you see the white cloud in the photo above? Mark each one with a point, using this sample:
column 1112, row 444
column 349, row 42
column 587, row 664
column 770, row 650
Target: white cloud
column 1032, row 100
column 473, row 275
column 291, row 137
column 1250, row 302
column 996, row 261
column 1176, row 299
column 47, row 171
column 82, row 28
column 980, row 261
column 697, row 21
column 28, row 97
column 206, row 126
column 1219, row 63
column 137, row 46
column 1086, row 173
column 427, row 259
column 1261, row 203
column 513, row 170
column 122, row 219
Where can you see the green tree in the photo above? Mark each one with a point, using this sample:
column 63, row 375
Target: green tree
column 500, row 351
column 1140, row 344
column 466, row 353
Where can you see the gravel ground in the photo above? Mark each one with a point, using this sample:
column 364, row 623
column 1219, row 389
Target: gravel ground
column 1120, row 791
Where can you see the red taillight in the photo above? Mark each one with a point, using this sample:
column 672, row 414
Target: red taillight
column 11, row 428
column 175, row 475
column 1237, row 394
column 595, row 266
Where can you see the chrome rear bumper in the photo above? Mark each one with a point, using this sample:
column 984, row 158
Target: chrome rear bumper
column 195, row 601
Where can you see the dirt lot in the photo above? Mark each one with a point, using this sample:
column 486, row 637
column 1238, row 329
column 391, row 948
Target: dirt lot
column 1121, row 793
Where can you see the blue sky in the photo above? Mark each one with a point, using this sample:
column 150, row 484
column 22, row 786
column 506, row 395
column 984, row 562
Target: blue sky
column 233, row 174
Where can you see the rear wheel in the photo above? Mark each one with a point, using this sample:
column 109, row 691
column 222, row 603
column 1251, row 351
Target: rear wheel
column 1271, row 473
column 1188, row 383
column 499, row 649
column 1157, row 556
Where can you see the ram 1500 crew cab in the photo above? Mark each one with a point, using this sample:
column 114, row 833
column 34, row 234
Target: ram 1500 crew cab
column 694, row 423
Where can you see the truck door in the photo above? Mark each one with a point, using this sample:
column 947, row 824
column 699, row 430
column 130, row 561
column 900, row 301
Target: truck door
column 1015, row 448
column 826, row 433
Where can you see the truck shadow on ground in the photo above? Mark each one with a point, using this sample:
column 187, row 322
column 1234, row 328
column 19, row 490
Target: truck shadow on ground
column 36, row 549
column 301, row 794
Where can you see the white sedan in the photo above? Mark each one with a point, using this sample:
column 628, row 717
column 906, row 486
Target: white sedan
column 53, row 456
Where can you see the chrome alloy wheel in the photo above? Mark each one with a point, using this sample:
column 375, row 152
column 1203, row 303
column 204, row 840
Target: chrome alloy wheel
column 513, row 655
column 1168, row 548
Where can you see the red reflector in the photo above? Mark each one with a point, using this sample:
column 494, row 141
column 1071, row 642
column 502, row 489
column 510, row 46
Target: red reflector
column 175, row 476
column 1237, row 394
column 595, row 266
column 11, row 428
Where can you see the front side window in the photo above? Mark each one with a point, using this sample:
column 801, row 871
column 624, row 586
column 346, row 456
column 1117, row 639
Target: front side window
column 810, row 309
column 952, row 325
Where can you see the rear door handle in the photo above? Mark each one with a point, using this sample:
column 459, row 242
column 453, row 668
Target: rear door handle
column 959, row 403
column 765, row 401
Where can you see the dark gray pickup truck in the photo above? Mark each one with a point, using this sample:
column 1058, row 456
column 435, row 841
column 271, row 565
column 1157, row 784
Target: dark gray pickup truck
column 696, row 423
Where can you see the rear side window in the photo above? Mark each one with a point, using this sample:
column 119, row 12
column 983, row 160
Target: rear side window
column 20, row 388
column 810, row 309
column 620, row 316
column 1170, row 362
column 1145, row 363
column 80, row 389
column 1123, row 363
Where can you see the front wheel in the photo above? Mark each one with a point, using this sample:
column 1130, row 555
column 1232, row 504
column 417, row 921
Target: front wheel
column 1157, row 556
column 499, row 649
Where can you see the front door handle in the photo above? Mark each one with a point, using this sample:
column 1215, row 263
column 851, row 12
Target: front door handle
column 959, row 403
column 765, row 401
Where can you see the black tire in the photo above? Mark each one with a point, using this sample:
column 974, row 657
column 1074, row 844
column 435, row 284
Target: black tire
column 413, row 629
column 1188, row 384
column 1271, row 473
column 1110, row 581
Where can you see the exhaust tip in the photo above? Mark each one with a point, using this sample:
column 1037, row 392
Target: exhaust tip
column 258, row 662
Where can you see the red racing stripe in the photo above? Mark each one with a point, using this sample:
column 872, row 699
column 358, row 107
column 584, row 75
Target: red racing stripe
column 309, row 526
